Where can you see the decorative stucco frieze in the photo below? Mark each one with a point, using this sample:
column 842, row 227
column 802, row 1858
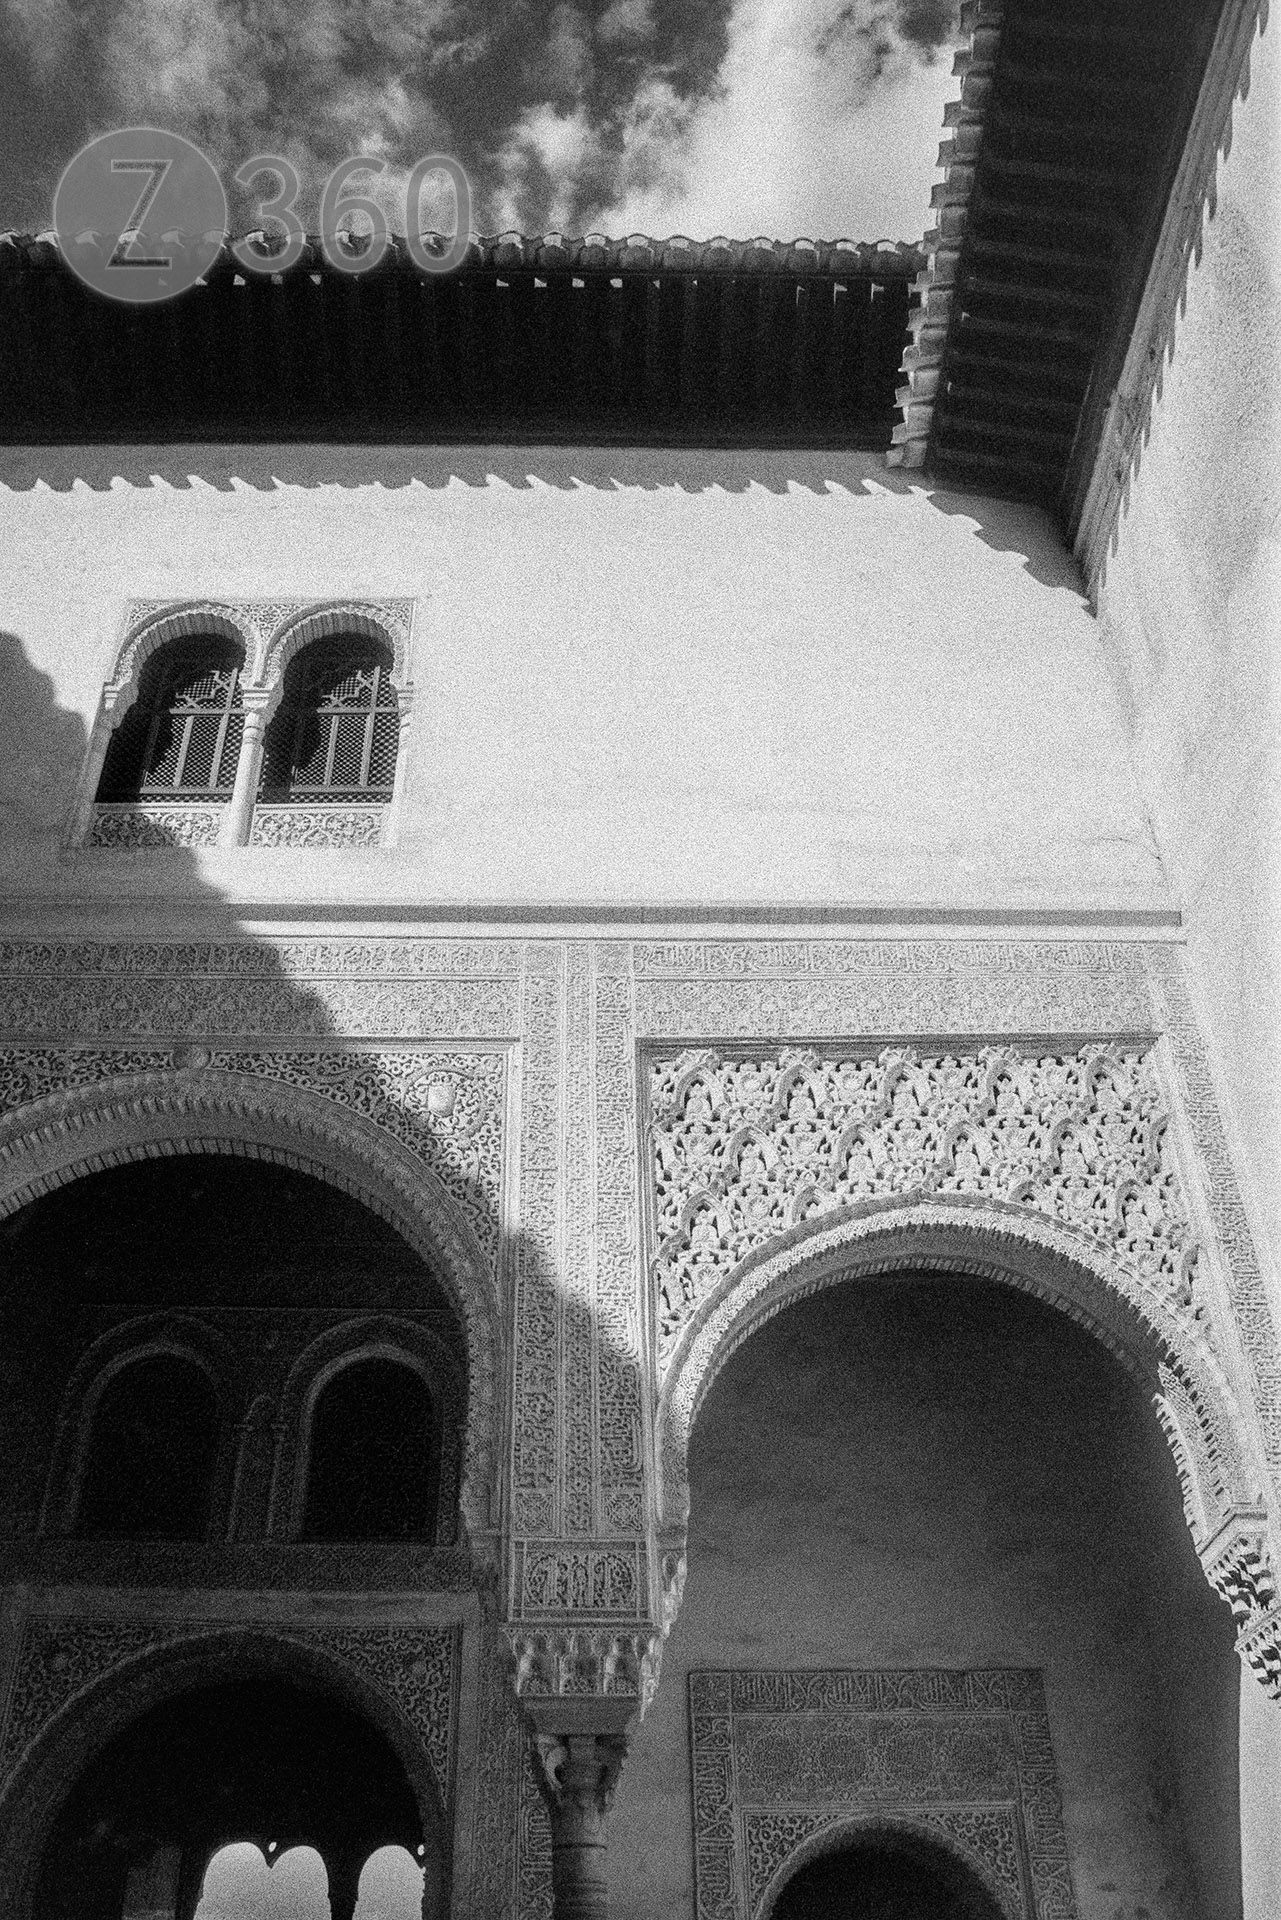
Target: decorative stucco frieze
column 689, row 991
column 318, row 826
column 146, row 826
column 344, row 989
column 788, row 1765
column 554, row 1577
column 744, row 1150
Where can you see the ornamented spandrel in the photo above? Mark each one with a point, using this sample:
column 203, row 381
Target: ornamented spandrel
column 447, row 1106
column 744, row 1150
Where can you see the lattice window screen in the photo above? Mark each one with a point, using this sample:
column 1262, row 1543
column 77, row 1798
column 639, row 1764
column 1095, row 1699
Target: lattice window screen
column 337, row 733
column 181, row 738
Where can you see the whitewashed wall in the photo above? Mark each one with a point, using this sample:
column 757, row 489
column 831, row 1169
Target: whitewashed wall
column 642, row 677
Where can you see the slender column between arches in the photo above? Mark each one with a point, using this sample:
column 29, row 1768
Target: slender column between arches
column 238, row 817
column 577, row 1772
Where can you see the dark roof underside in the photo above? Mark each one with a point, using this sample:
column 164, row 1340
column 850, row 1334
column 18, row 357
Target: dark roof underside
column 725, row 343
column 1081, row 132
column 1069, row 137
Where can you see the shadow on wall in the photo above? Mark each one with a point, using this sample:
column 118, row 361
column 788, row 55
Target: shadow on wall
column 43, row 751
column 1006, row 526
column 217, row 1048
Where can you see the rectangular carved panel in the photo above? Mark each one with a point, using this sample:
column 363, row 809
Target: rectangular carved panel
column 782, row 1759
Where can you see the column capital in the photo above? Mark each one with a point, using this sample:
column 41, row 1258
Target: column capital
column 577, row 1761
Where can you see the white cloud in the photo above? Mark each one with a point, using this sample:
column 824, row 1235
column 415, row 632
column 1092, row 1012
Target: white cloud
column 563, row 146
column 794, row 140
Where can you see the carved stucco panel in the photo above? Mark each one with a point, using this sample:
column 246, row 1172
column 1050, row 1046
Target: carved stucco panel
column 746, row 1149
column 785, row 1763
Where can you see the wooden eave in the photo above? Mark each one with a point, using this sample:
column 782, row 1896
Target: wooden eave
column 1064, row 148
column 635, row 341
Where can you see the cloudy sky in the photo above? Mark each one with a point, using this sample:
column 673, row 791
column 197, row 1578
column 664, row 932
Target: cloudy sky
column 782, row 117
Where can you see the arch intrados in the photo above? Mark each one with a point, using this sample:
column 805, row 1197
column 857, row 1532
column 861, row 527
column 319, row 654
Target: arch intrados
column 64, row 1750
column 930, row 1845
column 66, row 1137
column 1004, row 1245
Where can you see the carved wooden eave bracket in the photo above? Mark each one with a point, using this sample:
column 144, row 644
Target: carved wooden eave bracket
column 958, row 157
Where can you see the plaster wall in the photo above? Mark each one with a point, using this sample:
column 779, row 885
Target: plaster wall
column 1191, row 624
column 943, row 1473
column 642, row 677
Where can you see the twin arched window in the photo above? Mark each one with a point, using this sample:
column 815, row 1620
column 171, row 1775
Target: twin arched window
column 372, row 1458
column 334, row 737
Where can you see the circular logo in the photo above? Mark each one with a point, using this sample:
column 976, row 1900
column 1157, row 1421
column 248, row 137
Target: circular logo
column 140, row 214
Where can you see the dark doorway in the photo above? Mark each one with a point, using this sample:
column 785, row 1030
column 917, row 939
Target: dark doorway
column 885, row 1879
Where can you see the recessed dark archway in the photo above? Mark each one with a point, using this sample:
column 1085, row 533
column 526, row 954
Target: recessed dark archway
column 262, row 1758
column 38, row 1805
column 884, row 1876
column 224, row 1271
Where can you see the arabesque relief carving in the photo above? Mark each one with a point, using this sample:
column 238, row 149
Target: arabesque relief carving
column 745, row 1149
column 402, row 1046
column 786, row 1761
column 62, row 1657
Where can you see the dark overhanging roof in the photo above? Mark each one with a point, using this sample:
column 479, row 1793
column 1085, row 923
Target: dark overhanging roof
column 1058, row 173
column 1015, row 324
column 637, row 341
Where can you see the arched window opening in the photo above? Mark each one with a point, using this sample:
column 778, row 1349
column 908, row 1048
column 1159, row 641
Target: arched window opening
column 336, row 733
column 149, row 1467
column 372, row 1464
column 391, row 1886
column 180, row 740
column 885, row 1879
column 239, row 1884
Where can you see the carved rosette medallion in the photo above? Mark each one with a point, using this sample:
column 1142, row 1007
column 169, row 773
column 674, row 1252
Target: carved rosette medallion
column 787, row 1764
